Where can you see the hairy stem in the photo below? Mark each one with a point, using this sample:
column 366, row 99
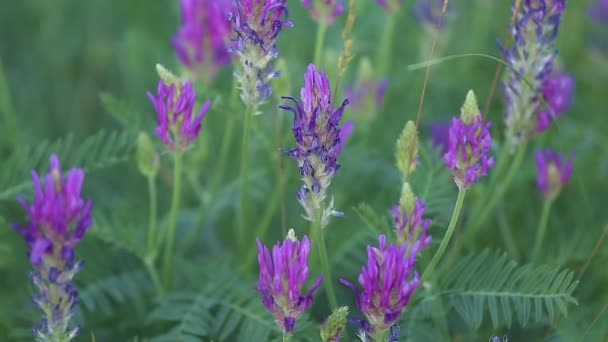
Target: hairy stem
column 324, row 259
column 172, row 224
column 542, row 227
column 319, row 42
column 244, row 177
column 448, row 235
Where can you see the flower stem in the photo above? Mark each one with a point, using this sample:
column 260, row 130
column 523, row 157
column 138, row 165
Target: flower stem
column 172, row 224
column 384, row 52
column 158, row 286
column 244, row 177
column 382, row 336
column 319, row 42
column 448, row 235
column 286, row 336
column 223, row 157
column 152, row 239
column 542, row 227
column 323, row 257
column 490, row 204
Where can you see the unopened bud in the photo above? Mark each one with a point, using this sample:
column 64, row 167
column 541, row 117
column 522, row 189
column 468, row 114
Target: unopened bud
column 148, row 160
column 407, row 150
column 332, row 328
column 470, row 108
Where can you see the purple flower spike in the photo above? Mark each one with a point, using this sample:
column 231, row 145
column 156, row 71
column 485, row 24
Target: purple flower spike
column 257, row 24
column 282, row 276
column 557, row 93
column 201, row 43
column 388, row 281
column 324, row 10
column 553, row 172
column 58, row 219
column 319, row 140
column 532, row 58
column 469, row 145
column 598, row 11
column 174, row 103
column 410, row 226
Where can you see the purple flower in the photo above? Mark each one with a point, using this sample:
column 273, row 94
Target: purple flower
column 174, row 104
column 257, row 24
column 388, row 281
column 553, row 172
column 532, row 58
column 58, row 219
column 324, row 10
column 409, row 224
column 598, row 11
column 428, row 12
column 440, row 131
column 282, row 276
column 319, row 140
column 469, row 145
column 202, row 39
column 557, row 93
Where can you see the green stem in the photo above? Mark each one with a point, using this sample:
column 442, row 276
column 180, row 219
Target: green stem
column 448, row 235
column 489, row 205
column 244, row 177
column 384, row 52
column 542, row 227
column 152, row 239
column 382, row 336
column 172, row 224
column 319, row 42
column 286, row 336
column 158, row 286
column 323, row 257
column 223, row 157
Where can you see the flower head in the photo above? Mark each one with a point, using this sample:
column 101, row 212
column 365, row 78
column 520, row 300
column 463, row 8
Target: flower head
column 324, row 10
column 557, row 93
column 366, row 95
column 532, row 58
column 202, row 39
column 58, row 219
column 407, row 217
column 553, row 172
column 388, row 281
column 257, row 24
column 282, row 276
column 174, row 103
column 469, row 145
column 319, row 140
column 598, row 11
column 333, row 326
column 406, row 150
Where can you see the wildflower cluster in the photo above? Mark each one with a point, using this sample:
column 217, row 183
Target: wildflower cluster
column 553, row 172
column 257, row 24
column 58, row 219
column 533, row 94
column 319, row 140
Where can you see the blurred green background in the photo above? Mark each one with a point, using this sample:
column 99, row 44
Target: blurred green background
column 57, row 57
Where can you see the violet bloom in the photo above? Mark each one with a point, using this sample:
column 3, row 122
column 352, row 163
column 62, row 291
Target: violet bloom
column 58, row 219
column 174, row 103
column 553, row 172
column 201, row 43
column 469, row 145
column 598, row 11
column 388, row 281
column 282, row 276
column 324, row 10
column 257, row 24
column 407, row 217
column 557, row 93
column 532, row 57
column 440, row 131
column 319, row 140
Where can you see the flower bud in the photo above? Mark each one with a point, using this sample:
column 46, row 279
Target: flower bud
column 148, row 160
column 331, row 329
column 407, row 150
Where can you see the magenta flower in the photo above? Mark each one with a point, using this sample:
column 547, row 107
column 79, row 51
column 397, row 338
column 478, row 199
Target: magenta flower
column 58, row 219
column 202, row 39
column 557, row 93
column 553, row 172
column 388, row 281
column 174, row 103
column 409, row 224
column 257, row 24
column 532, row 57
column 282, row 277
column 469, row 145
column 324, row 10
column 319, row 140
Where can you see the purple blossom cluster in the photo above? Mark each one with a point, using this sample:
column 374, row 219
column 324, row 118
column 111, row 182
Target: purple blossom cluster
column 409, row 224
column 319, row 140
column 388, row 281
column 553, row 172
column 257, row 24
column 174, row 104
column 282, row 277
column 201, row 43
column 324, row 10
column 58, row 219
column 532, row 58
